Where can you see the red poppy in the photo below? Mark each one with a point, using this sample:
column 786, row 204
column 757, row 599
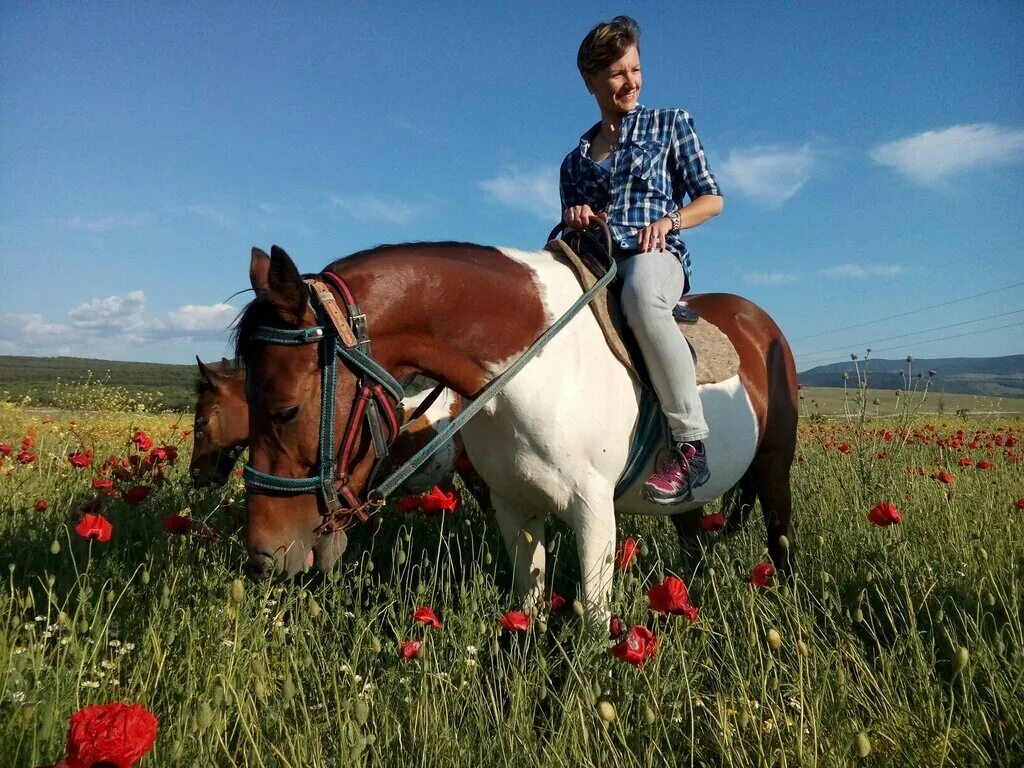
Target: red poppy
column 42, row 505
column 178, row 524
column 943, row 477
column 888, row 436
column 437, row 501
column 1012, row 455
column 829, row 444
column 712, row 523
column 639, row 645
column 615, row 627
column 885, row 514
column 26, row 456
column 143, row 442
column 27, row 442
column 844, row 448
column 408, row 503
column 966, row 462
column 985, row 464
column 515, row 621
column 409, row 649
column 103, row 484
column 136, row 494
column 94, row 527
column 80, row 459
column 5, row 449
column 556, row 603
column 626, row 554
column 113, row 734
column 671, row 597
column 1019, row 503
column 761, row 574
column 170, row 453
column 1011, row 441
column 426, row 615
column 157, row 455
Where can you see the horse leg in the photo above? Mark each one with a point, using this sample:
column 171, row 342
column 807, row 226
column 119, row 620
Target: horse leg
column 738, row 503
column 523, row 535
column 595, row 542
column 771, row 477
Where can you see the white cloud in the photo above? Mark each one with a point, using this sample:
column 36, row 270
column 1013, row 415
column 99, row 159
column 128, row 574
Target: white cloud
column 769, row 278
column 114, row 312
column 211, row 213
column 768, row 175
column 374, row 207
column 193, row 318
column 863, row 271
column 535, row 191
column 107, row 223
column 928, row 157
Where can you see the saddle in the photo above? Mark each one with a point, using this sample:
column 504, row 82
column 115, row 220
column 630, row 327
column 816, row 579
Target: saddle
column 715, row 357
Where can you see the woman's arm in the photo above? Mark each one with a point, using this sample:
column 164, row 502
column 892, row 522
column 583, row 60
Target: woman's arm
column 696, row 212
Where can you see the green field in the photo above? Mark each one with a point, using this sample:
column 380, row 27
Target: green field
column 898, row 646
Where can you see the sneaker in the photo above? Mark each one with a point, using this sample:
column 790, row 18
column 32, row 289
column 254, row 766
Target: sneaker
column 685, row 469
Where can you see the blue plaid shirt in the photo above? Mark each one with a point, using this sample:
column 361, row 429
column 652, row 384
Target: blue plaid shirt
column 659, row 162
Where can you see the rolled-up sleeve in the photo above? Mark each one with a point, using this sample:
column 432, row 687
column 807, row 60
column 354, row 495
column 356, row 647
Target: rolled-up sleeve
column 691, row 173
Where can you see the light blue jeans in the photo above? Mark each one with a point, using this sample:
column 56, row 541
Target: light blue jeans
column 652, row 284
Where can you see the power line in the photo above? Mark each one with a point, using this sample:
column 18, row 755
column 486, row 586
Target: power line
column 911, row 312
column 911, row 333
column 947, row 338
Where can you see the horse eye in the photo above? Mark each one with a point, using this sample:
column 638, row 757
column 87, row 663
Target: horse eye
column 285, row 415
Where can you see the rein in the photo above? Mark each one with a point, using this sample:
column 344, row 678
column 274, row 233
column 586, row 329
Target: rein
column 348, row 339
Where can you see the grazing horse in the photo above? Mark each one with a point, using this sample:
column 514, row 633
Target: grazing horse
column 553, row 441
column 221, row 431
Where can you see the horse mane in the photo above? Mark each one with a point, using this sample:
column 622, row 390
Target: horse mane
column 261, row 311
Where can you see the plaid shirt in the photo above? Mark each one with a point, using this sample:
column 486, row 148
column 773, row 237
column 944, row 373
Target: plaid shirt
column 659, row 162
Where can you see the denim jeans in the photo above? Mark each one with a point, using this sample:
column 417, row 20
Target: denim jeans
column 651, row 285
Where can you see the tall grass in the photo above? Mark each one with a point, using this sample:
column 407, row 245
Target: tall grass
column 896, row 646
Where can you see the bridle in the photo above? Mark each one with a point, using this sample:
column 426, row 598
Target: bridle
column 377, row 403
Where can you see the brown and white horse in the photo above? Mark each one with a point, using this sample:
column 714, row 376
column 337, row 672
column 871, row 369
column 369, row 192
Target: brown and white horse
column 554, row 441
column 221, row 429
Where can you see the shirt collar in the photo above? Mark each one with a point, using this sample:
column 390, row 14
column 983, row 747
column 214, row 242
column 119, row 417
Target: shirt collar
column 627, row 123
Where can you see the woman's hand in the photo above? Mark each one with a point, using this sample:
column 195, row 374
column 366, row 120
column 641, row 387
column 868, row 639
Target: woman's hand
column 652, row 237
column 579, row 216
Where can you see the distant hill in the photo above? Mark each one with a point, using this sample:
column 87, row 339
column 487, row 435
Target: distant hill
column 38, row 377
column 988, row 376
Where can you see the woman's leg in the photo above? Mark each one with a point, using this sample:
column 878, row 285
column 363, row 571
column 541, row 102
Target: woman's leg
column 652, row 284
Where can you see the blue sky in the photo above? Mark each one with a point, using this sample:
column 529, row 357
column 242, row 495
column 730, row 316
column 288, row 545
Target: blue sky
column 872, row 158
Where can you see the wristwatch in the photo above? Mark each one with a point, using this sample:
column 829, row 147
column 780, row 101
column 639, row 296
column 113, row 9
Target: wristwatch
column 674, row 218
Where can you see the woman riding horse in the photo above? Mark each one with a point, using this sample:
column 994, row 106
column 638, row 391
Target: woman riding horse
column 633, row 169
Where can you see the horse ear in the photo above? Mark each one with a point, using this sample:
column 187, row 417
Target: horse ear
column 287, row 290
column 208, row 375
column 259, row 270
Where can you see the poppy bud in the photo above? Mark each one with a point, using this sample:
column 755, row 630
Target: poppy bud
column 288, row 689
column 802, row 649
column 939, row 616
column 487, row 558
column 205, row 715
column 62, row 619
column 744, row 719
column 863, row 745
column 400, row 557
column 858, row 616
column 983, row 555
column 649, row 715
column 237, row 590
column 577, row 608
column 960, row 660
column 527, row 537
column 260, row 689
column 361, row 711
column 55, row 547
column 375, row 645
column 145, row 576
column 784, row 543
column 774, row 639
column 314, row 607
column 606, row 711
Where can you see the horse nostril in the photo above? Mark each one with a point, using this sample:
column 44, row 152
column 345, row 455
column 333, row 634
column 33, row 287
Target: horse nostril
column 259, row 567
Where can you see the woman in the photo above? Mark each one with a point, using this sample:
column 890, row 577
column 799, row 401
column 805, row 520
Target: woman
column 634, row 169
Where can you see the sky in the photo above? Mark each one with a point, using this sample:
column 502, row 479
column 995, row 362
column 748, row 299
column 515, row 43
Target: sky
column 871, row 157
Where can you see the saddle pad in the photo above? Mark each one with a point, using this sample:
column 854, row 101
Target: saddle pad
column 714, row 355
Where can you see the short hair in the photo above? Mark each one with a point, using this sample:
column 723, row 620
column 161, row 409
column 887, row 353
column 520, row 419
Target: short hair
column 607, row 43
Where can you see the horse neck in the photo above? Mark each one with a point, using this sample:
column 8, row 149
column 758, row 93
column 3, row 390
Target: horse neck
column 456, row 313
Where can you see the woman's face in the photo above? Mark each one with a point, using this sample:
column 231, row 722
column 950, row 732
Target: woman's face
column 617, row 87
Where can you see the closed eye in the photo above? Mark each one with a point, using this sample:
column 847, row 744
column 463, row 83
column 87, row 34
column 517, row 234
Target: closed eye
column 285, row 415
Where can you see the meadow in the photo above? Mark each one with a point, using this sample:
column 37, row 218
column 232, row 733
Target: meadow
column 897, row 645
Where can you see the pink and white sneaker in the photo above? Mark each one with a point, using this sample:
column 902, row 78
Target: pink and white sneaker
column 685, row 469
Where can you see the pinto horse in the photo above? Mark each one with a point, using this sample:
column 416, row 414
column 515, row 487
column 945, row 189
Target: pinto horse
column 553, row 441
column 221, row 429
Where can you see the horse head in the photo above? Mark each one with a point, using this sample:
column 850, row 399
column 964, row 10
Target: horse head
column 221, row 429
column 285, row 349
